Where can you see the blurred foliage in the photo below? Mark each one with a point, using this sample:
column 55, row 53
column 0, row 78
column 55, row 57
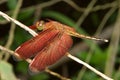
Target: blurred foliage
column 11, row 4
column 65, row 14
column 6, row 71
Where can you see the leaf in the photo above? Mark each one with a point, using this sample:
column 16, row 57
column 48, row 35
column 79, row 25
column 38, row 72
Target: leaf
column 6, row 71
column 12, row 4
column 90, row 76
column 40, row 76
column 22, row 67
column 26, row 13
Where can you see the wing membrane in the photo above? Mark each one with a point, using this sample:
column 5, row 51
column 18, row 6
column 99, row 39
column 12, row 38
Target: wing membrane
column 34, row 45
column 50, row 54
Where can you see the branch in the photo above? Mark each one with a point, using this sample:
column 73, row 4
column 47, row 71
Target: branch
column 56, row 74
column 29, row 61
column 113, row 46
column 96, row 8
column 18, row 23
column 68, row 55
column 92, row 47
column 86, row 12
column 12, row 28
column 88, row 66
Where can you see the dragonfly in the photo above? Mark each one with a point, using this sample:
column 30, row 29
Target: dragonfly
column 50, row 45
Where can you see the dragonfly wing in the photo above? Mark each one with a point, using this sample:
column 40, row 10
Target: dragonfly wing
column 34, row 45
column 52, row 53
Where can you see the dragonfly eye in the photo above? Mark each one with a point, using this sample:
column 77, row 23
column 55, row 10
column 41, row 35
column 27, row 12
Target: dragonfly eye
column 40, row 25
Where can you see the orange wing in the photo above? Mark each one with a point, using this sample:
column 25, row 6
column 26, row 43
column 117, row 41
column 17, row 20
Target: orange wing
column 36, row 44
column 51, row 53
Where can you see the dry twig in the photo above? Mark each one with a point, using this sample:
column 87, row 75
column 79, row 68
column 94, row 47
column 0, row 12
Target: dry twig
column 86, row 12
column 12, row 29
column 100, row 27
column 113, row 47
column 88, row 66
column 18, row 23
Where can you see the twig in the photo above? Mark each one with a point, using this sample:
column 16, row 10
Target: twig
column 100, row 27
column 68, row 55
column 29, row 61
column 106, row 6
column 56, row 74
column 11, row 32
column 92, row 47
column 74, row 5
column 12, row 29
column 113, row 47
column 37, row 14
column 96, row 8
column 7, row 50
column 104, row 20
column 86, row 12
column 87, row 60
column 71, row 3
column 18, row 23
column 88, row 66
column 40, row 6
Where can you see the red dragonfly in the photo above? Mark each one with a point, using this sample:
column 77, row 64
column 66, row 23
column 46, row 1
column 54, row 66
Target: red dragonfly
column 49, row 45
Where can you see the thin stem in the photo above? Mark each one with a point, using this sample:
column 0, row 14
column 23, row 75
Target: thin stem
column 74, row 5
column 104, row 20
column 29, row 61
column 113, row 46
column 11, row 32
column 68, row 55
column 7, row 50
column 87, row 60
column 106, row 6
column 12, row 29
column 96, row 8
column 92, row 47
column 86, row 12
column 18, row 23
column 56, row 74
column 88, row 66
